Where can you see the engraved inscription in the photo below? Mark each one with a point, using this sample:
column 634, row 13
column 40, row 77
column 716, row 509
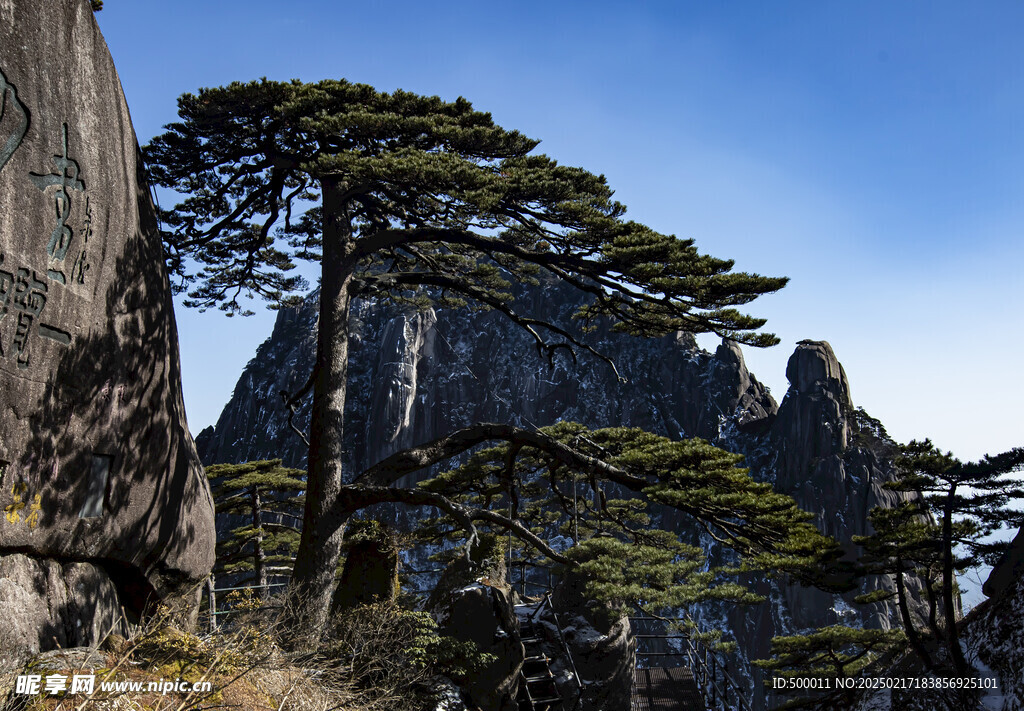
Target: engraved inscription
column 12, row 107
column 67, row 178
column 23, row 290
column 81, row 263
column 23, row 297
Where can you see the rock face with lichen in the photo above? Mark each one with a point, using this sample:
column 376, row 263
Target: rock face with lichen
column 105, row 505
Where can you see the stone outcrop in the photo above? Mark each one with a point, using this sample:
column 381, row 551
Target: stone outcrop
column 834, row 460
column 79, row 606
column 1009, row 569
column 476, row 605
column 462, row 367
column 99, row 478
column 414, row 376
column 601, row 645
column 370, row 574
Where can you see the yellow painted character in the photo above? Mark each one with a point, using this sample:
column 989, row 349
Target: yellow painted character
column 33, row 516
column 13, row 510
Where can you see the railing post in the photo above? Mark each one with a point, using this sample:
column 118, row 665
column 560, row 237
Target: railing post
column 727, row 684
column 714, row 680
column 704, row 666
column 212, row 599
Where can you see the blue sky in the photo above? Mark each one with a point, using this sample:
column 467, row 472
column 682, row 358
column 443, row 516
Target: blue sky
column 871, row 151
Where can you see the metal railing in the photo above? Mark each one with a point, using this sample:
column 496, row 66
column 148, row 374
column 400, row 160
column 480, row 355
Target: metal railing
column 211, row 596
column 719, row 688
column 546, row 602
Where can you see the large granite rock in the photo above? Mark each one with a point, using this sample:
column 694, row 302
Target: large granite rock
column 414, row 376
column 78, row 605
column 97, row 466
column 1009, row 569
column 834, row 460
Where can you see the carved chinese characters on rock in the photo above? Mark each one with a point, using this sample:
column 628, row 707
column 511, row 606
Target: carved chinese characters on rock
column 67, row 178
column 28, row 284
column 15, row 128
column 22, row 300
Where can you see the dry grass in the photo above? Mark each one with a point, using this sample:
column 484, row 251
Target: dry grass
column 359, row 668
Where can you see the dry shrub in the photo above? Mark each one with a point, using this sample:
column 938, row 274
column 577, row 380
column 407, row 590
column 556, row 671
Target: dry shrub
column 376, row 657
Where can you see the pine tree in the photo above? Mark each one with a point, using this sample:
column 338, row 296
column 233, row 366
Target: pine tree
column 416, row 199
column 627, row 478
column 942, row 531
column 269, row 497
column 830, row 653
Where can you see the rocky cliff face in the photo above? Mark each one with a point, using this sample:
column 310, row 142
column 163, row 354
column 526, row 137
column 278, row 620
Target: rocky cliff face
column 834, row 460
column 415, row 376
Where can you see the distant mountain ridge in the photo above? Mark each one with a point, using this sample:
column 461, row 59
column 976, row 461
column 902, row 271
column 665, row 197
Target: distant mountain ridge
column 414, row 376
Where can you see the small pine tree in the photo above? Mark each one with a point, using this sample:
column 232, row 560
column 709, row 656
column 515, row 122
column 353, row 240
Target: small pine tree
column 269, row 497
column 942, row 532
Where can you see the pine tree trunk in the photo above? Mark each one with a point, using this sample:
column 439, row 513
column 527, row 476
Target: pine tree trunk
column 259, row 556
column 948, row 582
column 908, row 623
column 323, row 525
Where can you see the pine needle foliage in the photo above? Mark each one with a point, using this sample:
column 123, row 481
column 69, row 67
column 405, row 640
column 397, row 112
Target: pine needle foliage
column 455, row 202
column 835, row 652
column 941, row 530
column 269, row 497
column 608, row 521
column 413, row 199
column 944, row 530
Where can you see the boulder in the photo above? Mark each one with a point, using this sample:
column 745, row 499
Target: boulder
column 481, row 611
column 1009, row 569
column 483, row 614
column 601, row 644
column 49, row 604
column 97, row 467
column 370, row 574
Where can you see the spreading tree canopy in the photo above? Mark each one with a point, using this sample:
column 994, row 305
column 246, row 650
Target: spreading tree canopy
column 408, row 197
column 602, row 491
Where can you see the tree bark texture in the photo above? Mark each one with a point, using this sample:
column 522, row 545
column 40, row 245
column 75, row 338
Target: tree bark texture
column 258, row 554
column 948, row 582
column 324, row 522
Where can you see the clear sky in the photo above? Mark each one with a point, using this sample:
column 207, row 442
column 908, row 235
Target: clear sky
column 871, row 151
